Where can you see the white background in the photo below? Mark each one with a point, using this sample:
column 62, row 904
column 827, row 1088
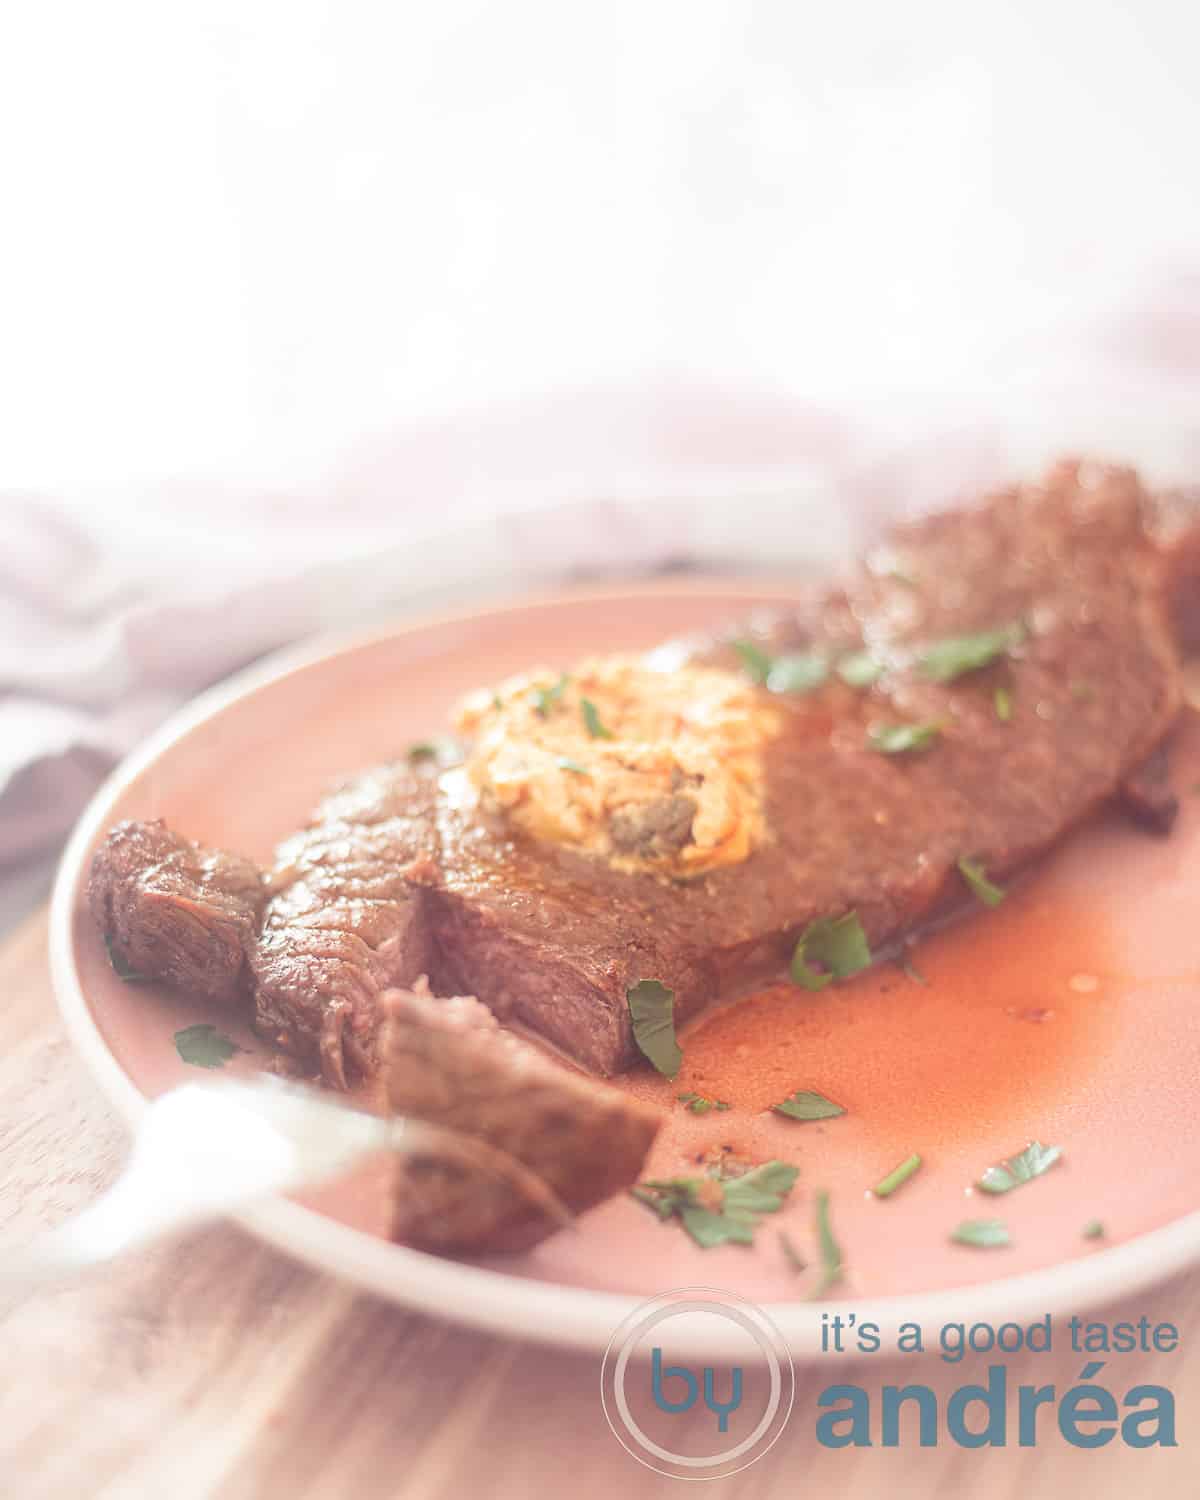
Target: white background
column 237, row 237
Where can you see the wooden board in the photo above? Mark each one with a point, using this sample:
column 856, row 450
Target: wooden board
column 214, row 1366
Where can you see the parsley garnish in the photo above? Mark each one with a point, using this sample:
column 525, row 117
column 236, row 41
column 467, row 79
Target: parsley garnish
column 204, row 1047
column 898, row 1176
column 120, row 968
column 699, row 1105
column 1002, row 700
column 719, row 1213
column 982, row 888
column 755, row 661
column 591, row 717
column 806, row 1105
column 945, row 660
column 840, row 946
column 790, row 1253
column 831, row 1251
column 652, row 1010
column 1022, row 1168
column 801, row 673
column 983, row 1234
column 794, row 672
column 546, row 698
column 860, row 669
column 443, row 748
column 1093, row 1230
column 896, row 739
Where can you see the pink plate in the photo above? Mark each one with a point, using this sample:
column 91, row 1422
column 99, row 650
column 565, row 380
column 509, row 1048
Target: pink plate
column 1067, row 1015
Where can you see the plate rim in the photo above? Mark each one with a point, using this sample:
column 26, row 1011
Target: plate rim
column 543, row 1312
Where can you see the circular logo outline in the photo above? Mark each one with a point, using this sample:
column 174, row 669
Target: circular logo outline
column 713, row 1301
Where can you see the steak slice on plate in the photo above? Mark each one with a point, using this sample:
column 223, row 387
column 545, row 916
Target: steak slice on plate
column 175, row 910
column 449, row 1062
column 347, row 920
column 454, row 1194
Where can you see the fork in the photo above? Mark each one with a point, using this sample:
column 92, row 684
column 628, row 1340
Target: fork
column 202, row 1151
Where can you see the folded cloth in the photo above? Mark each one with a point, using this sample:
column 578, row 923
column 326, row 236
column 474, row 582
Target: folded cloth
column 111, row 623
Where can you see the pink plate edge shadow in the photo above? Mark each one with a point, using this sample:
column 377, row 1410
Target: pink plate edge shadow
column 541, row 1312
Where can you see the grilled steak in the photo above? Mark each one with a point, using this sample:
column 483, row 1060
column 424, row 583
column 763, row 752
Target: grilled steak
column 554, row 940
column 453, row 1194
column 448, row 1062
column 1078, row 582
column 348, row 920
column 174, row 910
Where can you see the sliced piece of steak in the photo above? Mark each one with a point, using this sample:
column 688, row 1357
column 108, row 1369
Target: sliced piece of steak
column 454, row 1194
column 348, row 918
column 174, row 910
column 449, row 1062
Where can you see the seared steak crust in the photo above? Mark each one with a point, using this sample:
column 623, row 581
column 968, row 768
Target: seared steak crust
column 348, row 919
column 175, row 910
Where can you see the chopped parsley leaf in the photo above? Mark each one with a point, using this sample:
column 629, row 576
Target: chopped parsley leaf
column 840, row 946
column 204, row 1047
column 801, row 673
column 943, row 661
column 794, row 672
column 715, row 1212
column 755, row 661
column 652, row 1010
column 699, row 1105
column 898, row 1176
column 982, row 888
column 896, row 739
column 1019, row 1169
column 591, row 718
column 806, row 1105
column 860, row 669
column 120, row 968
column 443, row 748
column 831, row 1251
column 982, row 1234
column 546, row 698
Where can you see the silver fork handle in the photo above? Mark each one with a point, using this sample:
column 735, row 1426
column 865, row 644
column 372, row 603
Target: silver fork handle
column 200, row 1153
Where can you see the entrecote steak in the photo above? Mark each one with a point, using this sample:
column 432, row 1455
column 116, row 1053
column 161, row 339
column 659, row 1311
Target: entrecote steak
column 981, row 683
column 447, row 1061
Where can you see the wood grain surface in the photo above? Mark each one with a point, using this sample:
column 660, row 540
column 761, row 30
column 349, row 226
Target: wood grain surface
column 214, row 1366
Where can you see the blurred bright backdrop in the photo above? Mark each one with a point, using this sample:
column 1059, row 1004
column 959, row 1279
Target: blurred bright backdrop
column 239, row 236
